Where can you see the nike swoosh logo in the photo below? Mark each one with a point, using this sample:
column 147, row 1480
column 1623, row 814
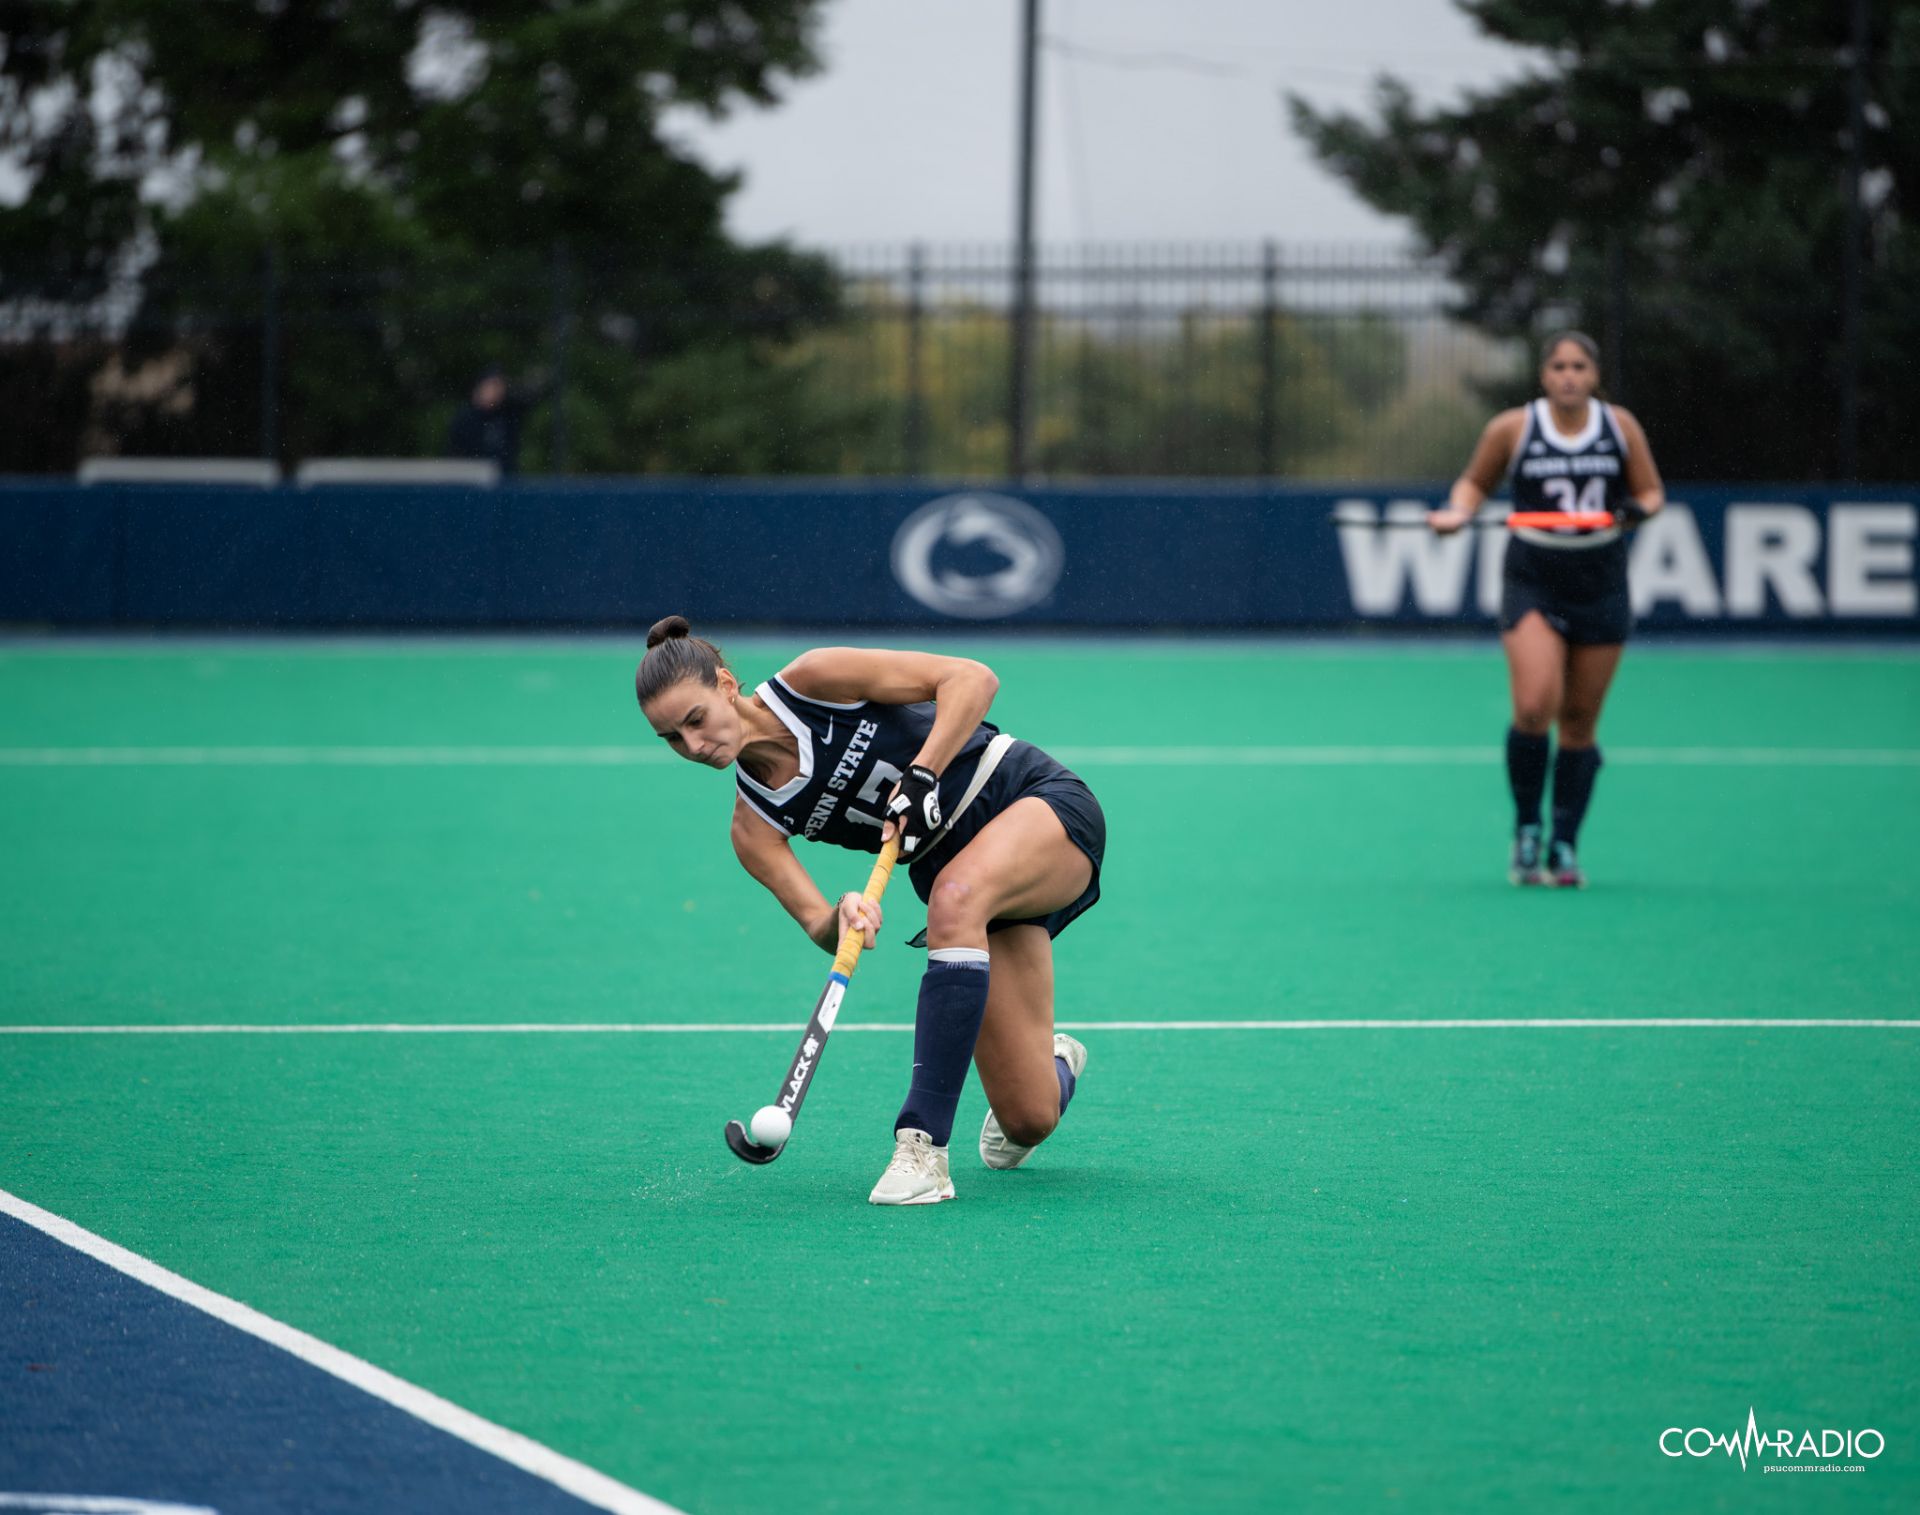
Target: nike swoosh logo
column 828, row 738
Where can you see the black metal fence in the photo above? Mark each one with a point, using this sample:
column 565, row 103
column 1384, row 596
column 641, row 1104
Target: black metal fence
column 1169, row 360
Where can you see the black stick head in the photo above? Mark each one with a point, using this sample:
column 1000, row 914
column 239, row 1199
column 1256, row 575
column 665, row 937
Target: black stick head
column 746, row 1148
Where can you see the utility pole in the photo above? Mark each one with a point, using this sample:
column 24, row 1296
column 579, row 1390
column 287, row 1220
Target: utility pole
column 1617, row 387
column 916, row 439
column 1852, row 272
column 1265, row 427
column 560, row 294
column 1022, row 344
column 270, row 355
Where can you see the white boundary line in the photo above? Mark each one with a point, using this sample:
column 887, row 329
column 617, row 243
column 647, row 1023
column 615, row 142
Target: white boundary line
column 332, row 757
column 1340, row 757
column 1375, row 642
column 1137, row 757
column 647, row 1028
column 95, row 1504
column 509, row 1446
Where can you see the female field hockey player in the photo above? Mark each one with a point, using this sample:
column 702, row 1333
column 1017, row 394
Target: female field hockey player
column 1564, row 607
column 848, row 745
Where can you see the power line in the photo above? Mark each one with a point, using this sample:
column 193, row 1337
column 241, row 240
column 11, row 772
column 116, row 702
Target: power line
column 1657, row 63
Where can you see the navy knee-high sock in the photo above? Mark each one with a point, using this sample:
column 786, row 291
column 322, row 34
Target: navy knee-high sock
column 1574, row 770
column 953, row 1001
column 1065, row 1074
column 1526, row 774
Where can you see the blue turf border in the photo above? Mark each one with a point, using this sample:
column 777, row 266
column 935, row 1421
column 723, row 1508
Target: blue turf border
column 111, row 1388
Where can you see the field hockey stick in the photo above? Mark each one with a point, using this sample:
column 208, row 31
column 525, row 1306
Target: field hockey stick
column 806, row 1058
column 1549, row 520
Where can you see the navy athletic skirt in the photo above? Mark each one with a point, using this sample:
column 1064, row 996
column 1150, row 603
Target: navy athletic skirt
column 1581, row 592
column 1026, row 770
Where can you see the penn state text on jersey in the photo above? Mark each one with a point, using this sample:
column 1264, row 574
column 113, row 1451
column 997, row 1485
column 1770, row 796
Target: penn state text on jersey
column 1584, row 474
column 851, row 756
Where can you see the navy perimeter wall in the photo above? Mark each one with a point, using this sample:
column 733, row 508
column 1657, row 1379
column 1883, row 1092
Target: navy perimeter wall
column 620, row 553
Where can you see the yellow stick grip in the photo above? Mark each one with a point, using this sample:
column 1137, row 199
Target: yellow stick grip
column 855, row 941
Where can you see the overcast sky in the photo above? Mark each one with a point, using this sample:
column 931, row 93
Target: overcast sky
column 1160, row 119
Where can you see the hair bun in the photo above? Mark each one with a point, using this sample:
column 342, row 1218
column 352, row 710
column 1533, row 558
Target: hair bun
column 667, row 628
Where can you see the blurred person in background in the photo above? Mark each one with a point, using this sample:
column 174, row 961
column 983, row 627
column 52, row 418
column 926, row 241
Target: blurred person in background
column 489, row 424
column 1565, row 612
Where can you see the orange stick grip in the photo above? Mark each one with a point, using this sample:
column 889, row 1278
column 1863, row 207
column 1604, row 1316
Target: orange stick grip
column 854, row 942
column 1547, row 519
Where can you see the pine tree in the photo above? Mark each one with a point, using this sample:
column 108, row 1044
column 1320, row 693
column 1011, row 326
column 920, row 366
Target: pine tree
column 1675, row 173
column 413, row 188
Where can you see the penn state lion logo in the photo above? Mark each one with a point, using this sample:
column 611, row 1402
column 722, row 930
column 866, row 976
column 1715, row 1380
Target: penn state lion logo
column 981, row 556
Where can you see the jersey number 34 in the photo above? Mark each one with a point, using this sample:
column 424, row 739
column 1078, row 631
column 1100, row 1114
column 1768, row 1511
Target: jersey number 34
column 1586, row 499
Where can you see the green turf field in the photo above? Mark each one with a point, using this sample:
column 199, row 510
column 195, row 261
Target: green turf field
column 1257, row 1269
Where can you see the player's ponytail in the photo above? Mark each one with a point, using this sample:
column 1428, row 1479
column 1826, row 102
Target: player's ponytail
column 675, row 654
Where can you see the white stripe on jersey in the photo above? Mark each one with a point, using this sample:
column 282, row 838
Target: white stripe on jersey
column 798, row 727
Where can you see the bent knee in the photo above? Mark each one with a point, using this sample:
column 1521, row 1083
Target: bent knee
column 1027, row 1128
column 955, row 907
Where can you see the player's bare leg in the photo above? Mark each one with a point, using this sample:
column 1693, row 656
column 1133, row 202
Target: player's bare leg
column 1030, row 867
column 1021, row 864
column 1014, row 1055
column 1020, row 1056
column 1536, row 670
column 1590, row 672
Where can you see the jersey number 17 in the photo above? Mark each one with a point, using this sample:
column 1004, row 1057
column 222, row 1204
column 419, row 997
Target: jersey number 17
column 885, row 776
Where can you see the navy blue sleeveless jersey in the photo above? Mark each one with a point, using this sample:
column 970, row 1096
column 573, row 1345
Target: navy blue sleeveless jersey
column 851, row 756
column 1576, row 579
column 1584, row 474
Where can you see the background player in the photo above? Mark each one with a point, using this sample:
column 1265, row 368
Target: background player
column 1565, row 611
column 844, row 745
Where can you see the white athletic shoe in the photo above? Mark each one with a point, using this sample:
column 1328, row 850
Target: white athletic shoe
column 916, row 1176
column 995, row 1150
